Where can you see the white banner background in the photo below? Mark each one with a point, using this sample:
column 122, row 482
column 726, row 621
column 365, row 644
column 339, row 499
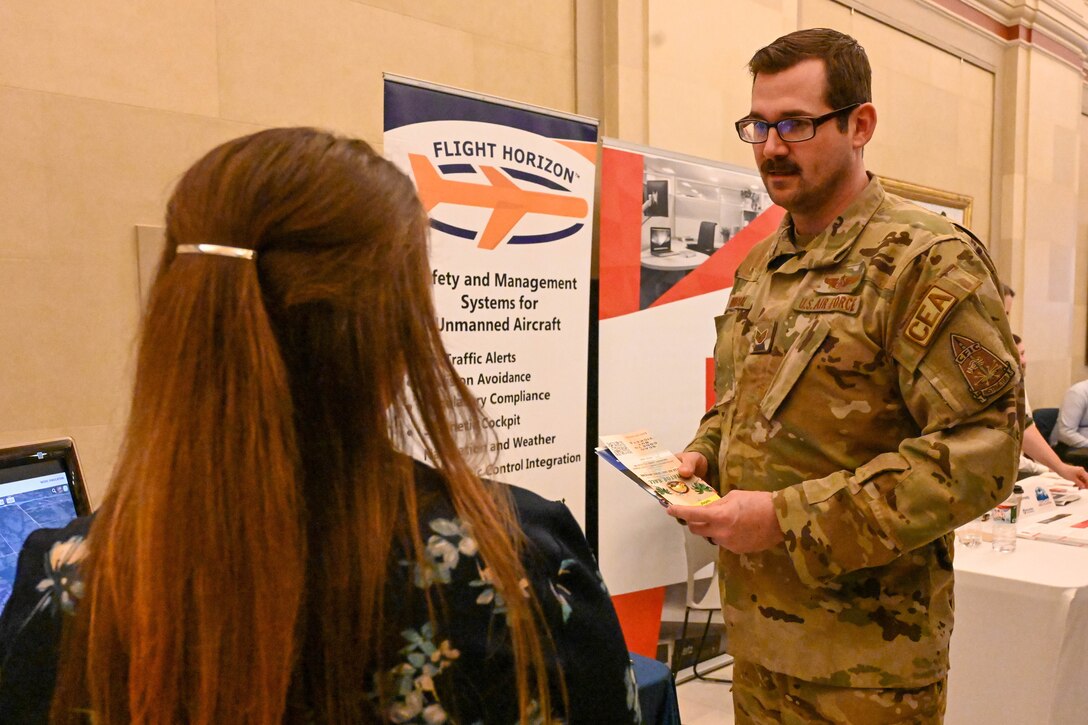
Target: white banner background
column 542, row 442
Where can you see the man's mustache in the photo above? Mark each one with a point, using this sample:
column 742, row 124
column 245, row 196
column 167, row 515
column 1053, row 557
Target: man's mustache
column 779, row 167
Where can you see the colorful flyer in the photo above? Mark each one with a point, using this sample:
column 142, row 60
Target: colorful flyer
column 639, row 457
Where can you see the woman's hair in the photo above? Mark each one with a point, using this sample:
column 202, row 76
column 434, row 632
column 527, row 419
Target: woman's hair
column 259, row 491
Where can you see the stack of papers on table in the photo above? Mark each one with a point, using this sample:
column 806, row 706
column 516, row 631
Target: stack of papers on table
column 1063, row 519
column 1063, row 527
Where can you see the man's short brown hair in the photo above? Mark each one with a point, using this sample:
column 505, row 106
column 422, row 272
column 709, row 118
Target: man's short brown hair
column 849, row 76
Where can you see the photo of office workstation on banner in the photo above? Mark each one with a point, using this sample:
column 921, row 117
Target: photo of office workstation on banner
column 689, row 211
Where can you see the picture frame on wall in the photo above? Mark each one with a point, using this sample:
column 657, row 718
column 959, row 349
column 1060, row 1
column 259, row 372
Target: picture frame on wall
column 956, row 207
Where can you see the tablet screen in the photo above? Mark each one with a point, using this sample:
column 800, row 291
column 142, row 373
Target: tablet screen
column 40, row 487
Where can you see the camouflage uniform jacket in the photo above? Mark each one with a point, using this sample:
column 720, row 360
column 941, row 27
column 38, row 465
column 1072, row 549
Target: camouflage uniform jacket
column 871, row 382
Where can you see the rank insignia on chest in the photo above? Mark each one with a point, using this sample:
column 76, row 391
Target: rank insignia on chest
column 985, row 373
column 841, row 282
column 762, row 336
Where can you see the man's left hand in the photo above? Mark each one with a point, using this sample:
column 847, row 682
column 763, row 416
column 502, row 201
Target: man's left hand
column 743, row 522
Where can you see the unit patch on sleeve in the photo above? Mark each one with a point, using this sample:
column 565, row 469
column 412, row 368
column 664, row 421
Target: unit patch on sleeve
column 931, row 312
column 986, row 374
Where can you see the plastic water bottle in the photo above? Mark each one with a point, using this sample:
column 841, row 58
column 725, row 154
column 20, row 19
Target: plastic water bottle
column 1004, row 518
column 970, row 534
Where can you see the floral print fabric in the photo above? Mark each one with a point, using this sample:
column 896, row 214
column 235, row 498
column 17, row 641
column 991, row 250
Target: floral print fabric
column 456, row 668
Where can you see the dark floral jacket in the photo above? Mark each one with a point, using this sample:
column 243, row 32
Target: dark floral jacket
column 458, row 670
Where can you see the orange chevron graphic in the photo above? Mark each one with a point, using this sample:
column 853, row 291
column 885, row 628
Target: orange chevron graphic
column 509, row 202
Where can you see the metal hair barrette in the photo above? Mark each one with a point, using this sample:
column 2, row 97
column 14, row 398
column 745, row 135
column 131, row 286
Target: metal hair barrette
column 217, row 249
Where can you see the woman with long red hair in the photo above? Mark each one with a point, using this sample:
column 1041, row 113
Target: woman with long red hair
column 266, row 551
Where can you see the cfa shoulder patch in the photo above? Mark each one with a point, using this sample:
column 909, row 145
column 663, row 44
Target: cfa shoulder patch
column 986, row 374
column 930, row 313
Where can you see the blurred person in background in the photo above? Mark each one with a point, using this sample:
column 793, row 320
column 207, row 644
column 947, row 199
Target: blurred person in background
column 1036, row 456
column 1070, row 435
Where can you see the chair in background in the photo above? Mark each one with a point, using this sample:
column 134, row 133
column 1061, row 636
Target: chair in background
column 1045, row 420
column 702, row 555
column 705, row 243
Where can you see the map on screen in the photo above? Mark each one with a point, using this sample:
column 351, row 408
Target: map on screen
column 38, row 489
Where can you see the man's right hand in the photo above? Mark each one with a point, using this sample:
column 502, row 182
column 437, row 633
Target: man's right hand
column 692, row 463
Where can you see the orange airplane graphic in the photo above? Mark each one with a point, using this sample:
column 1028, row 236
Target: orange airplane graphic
column 509, row 202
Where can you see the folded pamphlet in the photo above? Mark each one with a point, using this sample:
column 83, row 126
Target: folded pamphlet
column 639, row 457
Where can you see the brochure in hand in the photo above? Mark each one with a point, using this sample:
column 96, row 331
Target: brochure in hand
column 638, row 456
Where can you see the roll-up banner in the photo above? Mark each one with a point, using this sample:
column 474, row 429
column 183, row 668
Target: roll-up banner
column 509, row 190
column 673, row 230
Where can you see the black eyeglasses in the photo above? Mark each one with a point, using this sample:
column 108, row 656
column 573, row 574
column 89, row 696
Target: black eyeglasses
column 790, row 130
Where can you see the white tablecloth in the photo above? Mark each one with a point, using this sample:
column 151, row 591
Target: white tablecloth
column 1020, row 641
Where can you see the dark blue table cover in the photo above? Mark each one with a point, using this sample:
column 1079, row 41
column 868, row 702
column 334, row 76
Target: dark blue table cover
column 656, row 691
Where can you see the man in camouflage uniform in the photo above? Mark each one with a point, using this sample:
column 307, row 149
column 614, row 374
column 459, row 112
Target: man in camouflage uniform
column 867, row 404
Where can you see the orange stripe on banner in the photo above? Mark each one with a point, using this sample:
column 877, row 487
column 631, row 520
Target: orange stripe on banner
column 717, row 271
column 585, row 148
column 620, row 232
column 640, row 619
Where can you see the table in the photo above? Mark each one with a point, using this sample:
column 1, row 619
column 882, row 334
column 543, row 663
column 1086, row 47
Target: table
column 1020, row 641
column 677, row 260
column 656, row 691
column 659, row 274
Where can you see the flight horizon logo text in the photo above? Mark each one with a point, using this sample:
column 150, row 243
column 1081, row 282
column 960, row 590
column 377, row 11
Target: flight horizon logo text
column 508, row 201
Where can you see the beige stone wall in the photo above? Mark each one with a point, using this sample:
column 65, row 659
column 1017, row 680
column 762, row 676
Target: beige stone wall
column 104, row 103
column 697, row 80
column 962, row 109
column 1053, row 266
column 936, row 111
column 1079, row 333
